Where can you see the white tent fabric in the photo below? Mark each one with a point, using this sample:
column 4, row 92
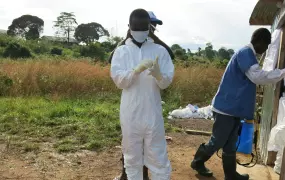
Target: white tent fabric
column 277, row 136
column 273, row 51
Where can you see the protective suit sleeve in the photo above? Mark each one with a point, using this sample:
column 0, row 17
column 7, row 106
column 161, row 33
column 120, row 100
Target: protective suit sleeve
column 122, row 76
column 166, row 70
column 261, row 77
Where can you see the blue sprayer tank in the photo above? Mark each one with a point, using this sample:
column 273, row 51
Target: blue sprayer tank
column 246, row 137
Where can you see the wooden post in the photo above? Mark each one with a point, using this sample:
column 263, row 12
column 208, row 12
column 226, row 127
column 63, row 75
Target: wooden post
column 282, row 173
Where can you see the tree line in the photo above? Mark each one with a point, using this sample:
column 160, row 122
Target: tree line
column 209, row 52
column 30, row 28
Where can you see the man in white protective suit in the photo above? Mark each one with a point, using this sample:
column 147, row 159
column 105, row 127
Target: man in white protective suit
column 141, row 69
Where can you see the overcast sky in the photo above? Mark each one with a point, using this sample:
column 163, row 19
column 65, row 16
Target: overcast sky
column 190, row 23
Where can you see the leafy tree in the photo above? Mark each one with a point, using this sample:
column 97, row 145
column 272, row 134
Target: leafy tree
column 209, row 53
column 93, row 50
column 90, row 32
column 189, row 53
column 216, row 53
column 65, row 24
column 179, row 52
column 111, row 43
column 27, row 26
column 209, row 45
column 231, row 52
column 223, row 53
column 108, row 46
column 116, row 40
column 203, row 53
column 175, row 47
column 199, row 51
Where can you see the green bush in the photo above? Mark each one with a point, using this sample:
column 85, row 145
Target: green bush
column 76, row 54
column 5, row 84
column 39, row 47
column 93, row 50
column 56, row 51
column 221, row 63
column 76, row 51
column 67, row 52
column 15, row 50
column 2, row 49
column 5, row 40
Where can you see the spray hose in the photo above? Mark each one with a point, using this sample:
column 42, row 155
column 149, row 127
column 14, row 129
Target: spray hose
column 254, row 157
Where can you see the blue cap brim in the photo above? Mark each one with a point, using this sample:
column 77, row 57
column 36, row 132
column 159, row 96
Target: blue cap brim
column 156, row 21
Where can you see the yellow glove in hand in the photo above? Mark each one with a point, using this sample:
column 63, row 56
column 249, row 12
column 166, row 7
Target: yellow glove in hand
column 155, row 70
column 143, row 66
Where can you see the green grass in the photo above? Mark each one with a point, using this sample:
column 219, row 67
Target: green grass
column 70, row 124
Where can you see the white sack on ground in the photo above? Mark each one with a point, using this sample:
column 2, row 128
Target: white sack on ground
column 191, row 111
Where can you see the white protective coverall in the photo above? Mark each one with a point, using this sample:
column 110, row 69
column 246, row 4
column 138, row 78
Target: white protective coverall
column 141, row 110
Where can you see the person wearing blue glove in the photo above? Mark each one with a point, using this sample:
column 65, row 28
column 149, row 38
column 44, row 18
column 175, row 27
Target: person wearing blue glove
column 141, row 69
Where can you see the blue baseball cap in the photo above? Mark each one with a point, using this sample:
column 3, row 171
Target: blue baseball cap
column 153, row 18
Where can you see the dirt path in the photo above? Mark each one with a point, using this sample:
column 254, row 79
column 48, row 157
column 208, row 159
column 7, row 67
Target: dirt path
column 86, row 165
column 95, row 166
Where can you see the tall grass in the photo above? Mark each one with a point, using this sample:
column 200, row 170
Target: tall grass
column 74, row 104
column 196, row 84
column 64, row 78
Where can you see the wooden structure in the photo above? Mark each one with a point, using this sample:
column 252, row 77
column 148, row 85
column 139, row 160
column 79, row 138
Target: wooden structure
column 264, row 12
column 270, row 13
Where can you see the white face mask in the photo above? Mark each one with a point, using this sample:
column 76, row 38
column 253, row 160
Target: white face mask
column 140, row 36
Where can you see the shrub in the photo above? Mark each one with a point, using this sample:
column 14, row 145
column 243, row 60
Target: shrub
column 67, row 52
column 56, row 51
column 2, row 51
column 5, row 40
column 39, row 47
column 221, row 64
column 5, row 84
column 15, row 50
column 93, row 50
